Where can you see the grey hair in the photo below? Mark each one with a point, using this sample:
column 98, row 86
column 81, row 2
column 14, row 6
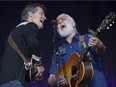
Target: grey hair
column 31, row 7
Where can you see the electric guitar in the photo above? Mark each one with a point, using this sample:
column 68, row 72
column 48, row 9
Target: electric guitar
column 77, row 71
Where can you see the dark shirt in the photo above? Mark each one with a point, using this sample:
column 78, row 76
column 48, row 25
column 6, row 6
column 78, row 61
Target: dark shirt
column 65, row 50
column 27, row 40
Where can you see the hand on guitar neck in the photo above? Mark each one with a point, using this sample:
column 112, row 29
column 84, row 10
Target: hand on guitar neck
column 96, row 42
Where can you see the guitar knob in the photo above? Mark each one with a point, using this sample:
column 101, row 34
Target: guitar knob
column 110, row 25
column 107, row 27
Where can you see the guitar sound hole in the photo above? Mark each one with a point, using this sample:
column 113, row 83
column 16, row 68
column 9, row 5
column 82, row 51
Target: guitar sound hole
column 74, row 70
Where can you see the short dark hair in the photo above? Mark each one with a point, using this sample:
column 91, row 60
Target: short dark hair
column 30, row 7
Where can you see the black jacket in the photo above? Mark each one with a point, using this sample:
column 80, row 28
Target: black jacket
column 27, row 39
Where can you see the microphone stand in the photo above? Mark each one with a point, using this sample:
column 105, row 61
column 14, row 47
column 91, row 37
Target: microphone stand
column 56, row 52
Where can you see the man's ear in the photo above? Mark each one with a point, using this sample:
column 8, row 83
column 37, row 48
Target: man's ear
column 30, row 14
column 73, row 24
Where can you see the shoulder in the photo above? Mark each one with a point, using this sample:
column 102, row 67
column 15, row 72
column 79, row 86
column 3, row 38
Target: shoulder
column 87, row 34
column 26, row 25
column 86, row 37
column 31, row 24
column 31, row 27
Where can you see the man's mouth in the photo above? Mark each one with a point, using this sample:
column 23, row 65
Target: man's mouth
column 42, row 21
column 63, row 26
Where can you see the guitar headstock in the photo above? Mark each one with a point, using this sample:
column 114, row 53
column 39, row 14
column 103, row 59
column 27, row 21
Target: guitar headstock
column 107, row 22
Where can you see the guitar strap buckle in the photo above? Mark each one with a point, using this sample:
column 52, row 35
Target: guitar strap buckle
column 28, row 65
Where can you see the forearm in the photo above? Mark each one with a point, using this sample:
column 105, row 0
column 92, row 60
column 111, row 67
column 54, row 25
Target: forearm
column 101, row 50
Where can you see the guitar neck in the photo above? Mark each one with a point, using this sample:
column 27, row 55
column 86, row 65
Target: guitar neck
column 106, row 23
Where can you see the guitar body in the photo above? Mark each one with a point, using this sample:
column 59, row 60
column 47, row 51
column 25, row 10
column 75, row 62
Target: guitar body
column 80, row 79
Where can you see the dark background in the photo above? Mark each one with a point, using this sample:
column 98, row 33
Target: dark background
column 87, row 14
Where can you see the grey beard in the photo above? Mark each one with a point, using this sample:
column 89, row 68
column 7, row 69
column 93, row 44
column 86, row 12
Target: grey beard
column 67, row 31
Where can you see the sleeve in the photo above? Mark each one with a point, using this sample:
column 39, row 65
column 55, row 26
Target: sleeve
column 32, row 37
column 93, row 54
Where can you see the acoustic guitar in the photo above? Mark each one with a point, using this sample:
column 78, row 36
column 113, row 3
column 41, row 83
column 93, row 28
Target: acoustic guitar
column 77, row 71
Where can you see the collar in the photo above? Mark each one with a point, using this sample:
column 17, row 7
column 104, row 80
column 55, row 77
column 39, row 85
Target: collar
column 76, row 36
column 22, row 23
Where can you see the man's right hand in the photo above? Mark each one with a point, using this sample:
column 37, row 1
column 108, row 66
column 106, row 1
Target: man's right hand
column 40, row 71
column 63, row 81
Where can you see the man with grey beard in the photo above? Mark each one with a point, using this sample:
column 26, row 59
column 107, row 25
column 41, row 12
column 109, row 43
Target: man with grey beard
column 60, row 70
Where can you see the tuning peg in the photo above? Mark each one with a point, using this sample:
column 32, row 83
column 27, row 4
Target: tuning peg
column 113, row 22
column 107, row 27
column 110, row 25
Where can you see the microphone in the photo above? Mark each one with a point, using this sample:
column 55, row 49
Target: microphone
column 53, row 21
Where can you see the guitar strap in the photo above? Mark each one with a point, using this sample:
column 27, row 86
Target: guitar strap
column 82, row 42
column 14, row 46
column 27, row 64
